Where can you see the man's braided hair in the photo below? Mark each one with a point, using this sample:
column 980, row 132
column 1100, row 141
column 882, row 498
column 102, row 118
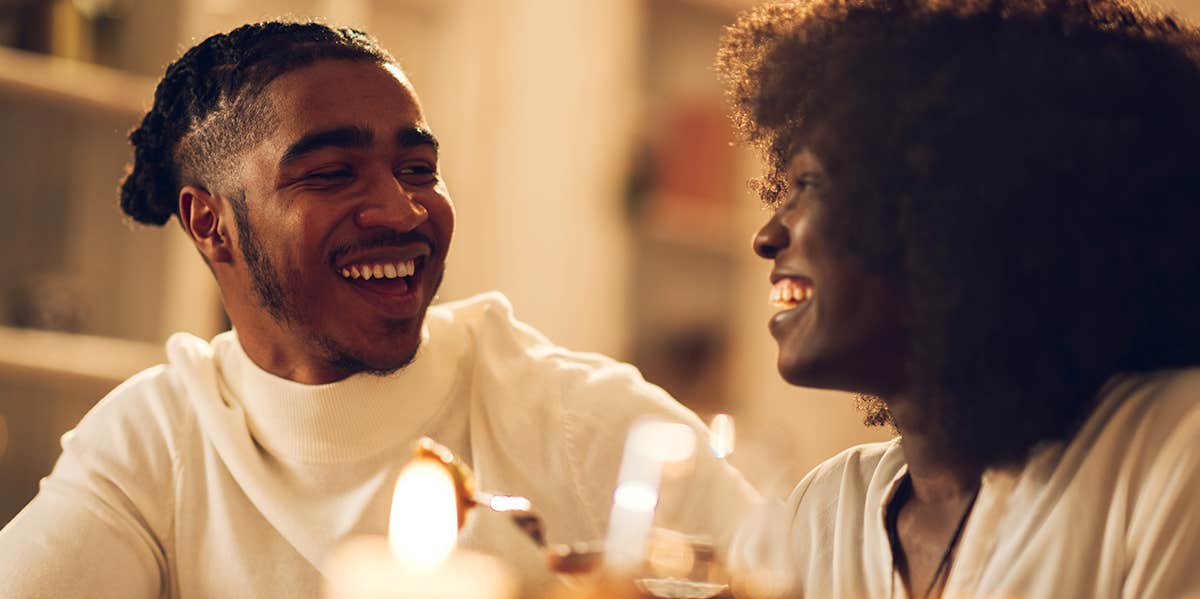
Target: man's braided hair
column 207, row 107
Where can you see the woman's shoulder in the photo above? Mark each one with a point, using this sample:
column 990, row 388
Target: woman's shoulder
column 848, row 479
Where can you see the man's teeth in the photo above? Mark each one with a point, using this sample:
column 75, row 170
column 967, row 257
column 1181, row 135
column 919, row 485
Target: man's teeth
column 382, row 270
column 789, row 293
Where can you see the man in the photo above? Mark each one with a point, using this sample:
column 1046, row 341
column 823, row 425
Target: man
column 297, row 159
column 984, row 217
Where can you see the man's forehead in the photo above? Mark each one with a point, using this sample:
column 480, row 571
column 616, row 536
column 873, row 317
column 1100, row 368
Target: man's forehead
column 335, row 89
column 351, row 136
column 375, row 99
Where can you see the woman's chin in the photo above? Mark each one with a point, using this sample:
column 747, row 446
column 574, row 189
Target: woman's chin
column 795, row 372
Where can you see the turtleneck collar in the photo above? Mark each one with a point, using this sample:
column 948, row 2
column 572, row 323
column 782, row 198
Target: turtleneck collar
column 354, row 418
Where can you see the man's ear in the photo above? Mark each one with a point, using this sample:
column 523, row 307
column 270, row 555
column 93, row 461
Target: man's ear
column 200, row 213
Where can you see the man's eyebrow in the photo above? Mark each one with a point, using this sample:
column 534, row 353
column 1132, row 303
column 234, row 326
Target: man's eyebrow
column 416, row 136
column 340, row 137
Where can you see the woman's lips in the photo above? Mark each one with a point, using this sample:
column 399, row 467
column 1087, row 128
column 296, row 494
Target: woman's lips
column 790, row 292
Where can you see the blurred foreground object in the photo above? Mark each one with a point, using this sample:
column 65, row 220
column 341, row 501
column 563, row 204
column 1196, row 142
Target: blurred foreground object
column 638, row 558
column 722, row 435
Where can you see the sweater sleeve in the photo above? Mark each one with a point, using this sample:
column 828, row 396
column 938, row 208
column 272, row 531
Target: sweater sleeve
column 96, row 527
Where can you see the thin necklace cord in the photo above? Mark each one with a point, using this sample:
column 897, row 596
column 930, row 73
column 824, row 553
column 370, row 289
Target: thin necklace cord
column 940, row 575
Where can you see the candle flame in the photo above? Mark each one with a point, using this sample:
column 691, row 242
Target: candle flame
column 424, row 520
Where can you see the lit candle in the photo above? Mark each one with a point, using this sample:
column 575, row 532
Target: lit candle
column 419, row 559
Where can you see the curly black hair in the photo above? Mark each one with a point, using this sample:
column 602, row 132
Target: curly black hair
column 1026, row 173
column 207, row 109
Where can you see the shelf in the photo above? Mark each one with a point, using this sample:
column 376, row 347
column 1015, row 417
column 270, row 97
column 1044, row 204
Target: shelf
column 83, row 86
column 49, row 355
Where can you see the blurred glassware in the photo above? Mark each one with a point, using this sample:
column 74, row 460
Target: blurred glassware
column 652, row 491
column 722, row 435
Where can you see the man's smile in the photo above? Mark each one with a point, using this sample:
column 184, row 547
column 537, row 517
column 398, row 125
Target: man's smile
column 380, row 270
column 389, row 278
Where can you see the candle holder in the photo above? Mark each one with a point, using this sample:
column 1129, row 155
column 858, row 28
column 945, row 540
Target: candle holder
column 519, row 509
column 676, row 566
column 681, row 566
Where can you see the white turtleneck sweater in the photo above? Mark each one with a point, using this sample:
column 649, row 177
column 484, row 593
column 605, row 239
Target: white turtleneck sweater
column 209, row 477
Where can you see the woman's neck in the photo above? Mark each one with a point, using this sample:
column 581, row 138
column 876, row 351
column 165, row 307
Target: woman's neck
column 937, row 472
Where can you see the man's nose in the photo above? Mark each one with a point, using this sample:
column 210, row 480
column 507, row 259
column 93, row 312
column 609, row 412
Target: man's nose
column 392, row 206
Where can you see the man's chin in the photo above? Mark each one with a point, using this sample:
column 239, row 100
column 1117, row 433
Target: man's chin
column 388, row 363
column 389, row 367
column 351, row 365
column 375, row 360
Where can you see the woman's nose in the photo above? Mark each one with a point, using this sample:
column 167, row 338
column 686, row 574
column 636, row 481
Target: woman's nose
column 770, row 239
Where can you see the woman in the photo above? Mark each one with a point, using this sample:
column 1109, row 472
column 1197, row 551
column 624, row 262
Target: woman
column 984, row 218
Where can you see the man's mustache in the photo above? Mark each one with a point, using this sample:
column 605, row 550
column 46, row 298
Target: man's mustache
column 383, row 239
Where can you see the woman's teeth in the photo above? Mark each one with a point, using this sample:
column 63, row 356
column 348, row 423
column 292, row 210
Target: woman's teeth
column 381, row 270
column 789, row 293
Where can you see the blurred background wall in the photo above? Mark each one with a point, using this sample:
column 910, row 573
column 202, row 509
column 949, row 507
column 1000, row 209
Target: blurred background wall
column 586, row 147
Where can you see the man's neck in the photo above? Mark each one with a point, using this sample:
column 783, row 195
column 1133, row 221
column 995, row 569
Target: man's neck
column 288, row 364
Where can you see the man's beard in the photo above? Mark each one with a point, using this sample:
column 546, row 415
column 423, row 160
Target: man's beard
column 345, row 360
column 268, row 286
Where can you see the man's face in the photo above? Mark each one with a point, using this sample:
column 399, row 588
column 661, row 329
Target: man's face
column 838, row 326
column 344, row 227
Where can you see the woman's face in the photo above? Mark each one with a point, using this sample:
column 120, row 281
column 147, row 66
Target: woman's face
column 838, row 327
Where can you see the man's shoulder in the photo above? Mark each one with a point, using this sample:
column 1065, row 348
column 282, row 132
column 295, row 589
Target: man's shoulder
column 590, row 397
column 472, row 311
column 146, row 406
column 151, row 407
column 492, row 324
column 487, row 324
column 500, row 339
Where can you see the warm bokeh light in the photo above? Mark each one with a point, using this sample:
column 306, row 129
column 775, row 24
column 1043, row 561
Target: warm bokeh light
column 636, row 497
column 722, row 435
column 664, row 442
column 509, row 503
